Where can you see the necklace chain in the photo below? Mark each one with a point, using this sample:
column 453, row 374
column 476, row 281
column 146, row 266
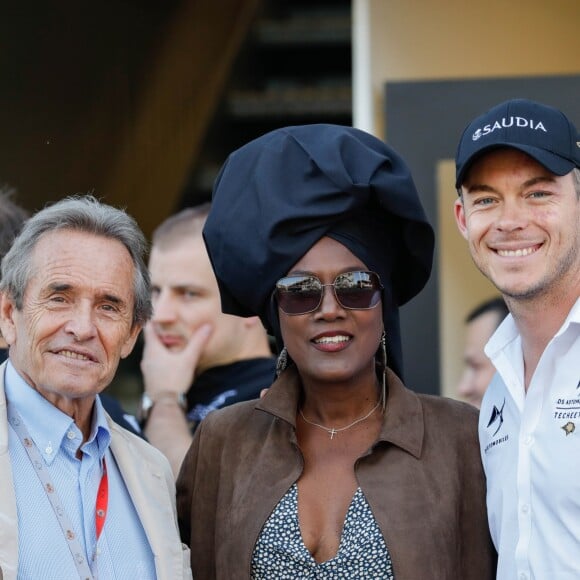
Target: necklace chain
column 332, row 430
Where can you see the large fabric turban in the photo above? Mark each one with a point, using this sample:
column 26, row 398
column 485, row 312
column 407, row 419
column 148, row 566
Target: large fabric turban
column 276, row 196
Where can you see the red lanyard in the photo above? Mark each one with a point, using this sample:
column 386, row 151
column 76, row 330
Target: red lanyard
column 102, row 501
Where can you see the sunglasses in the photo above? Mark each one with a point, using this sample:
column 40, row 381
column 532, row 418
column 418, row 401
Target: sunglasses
column 302, row 293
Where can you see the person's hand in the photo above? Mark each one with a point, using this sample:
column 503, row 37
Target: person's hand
column 166, row 371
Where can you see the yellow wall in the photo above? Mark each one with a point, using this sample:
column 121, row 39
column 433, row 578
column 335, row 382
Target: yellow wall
column 461, row 286
column 446, row 39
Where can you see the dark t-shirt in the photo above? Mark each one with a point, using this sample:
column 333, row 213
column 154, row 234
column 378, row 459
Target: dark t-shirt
column 228, row 384
column 119, row 415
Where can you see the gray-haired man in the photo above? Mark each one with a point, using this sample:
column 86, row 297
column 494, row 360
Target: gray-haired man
column 79, row 496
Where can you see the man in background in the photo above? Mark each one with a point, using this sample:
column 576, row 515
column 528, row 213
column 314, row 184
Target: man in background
column 12, row 216
column 195, row 358
column 518, row 179
column 478, row 370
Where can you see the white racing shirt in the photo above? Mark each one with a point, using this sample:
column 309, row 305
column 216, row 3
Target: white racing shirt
column 530, row 448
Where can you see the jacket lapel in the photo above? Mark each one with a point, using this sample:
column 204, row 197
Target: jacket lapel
column 145, row 483
column 8, row 513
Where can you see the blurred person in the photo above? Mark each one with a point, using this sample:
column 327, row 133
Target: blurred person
column 12, row 216
column 195, row 358
column 480, row 324
column 79, row 495
column 518, row 179
column 338, row 471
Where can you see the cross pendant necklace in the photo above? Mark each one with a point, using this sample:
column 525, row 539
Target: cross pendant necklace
column 332, row 431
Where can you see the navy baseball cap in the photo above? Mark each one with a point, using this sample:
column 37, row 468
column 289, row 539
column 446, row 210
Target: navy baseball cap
column 541, row 131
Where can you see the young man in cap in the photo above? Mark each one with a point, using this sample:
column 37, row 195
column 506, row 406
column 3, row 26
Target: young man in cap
column 518, row 179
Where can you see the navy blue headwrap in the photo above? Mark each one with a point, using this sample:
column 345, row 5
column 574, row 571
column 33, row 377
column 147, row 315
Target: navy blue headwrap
column 276, row 196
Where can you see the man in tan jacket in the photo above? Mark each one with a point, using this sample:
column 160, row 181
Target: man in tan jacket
column 79, row 496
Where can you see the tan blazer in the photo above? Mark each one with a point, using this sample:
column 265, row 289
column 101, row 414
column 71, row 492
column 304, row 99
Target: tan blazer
column 148, row 478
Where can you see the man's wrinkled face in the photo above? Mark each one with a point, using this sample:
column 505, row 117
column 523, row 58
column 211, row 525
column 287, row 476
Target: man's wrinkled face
column 76, row 321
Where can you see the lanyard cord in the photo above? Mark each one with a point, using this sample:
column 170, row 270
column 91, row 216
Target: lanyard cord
column 101, row 504
column 102, row 501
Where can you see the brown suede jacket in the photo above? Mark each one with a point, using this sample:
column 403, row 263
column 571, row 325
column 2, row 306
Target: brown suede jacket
column 422, row 478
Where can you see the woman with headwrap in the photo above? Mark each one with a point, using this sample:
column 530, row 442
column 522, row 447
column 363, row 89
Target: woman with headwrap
column 339, row 471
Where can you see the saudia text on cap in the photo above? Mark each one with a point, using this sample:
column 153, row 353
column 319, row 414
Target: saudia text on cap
column 517, row 121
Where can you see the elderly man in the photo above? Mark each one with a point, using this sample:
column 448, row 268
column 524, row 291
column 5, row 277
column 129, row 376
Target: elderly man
column 12, row 218
column 518, row 176
column 80, row 497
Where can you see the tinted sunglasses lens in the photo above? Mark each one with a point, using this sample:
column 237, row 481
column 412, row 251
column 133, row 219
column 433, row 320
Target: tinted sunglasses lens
column 298, row 294
column 358, row 290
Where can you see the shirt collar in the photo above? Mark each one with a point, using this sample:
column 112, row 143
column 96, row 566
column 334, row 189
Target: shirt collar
column 403, row 424
column 572, row 318
column 49, row 427
column 507, row 332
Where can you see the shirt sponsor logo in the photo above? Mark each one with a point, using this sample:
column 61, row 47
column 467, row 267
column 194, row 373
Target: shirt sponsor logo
column 496, row 422
column 505, row 123
column 567, row 409
column 496, row 417
column 569, row 428
column 496, row 442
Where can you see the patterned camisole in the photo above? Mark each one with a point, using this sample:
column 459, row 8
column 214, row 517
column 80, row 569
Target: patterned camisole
column 280, row 552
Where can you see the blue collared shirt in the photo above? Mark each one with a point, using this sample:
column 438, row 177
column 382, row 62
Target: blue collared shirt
column 123, row 550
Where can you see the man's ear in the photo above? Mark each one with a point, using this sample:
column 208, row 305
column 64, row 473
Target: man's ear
column 459, row 212
column 252, row 321
column 7, row 326
column 131, row 340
